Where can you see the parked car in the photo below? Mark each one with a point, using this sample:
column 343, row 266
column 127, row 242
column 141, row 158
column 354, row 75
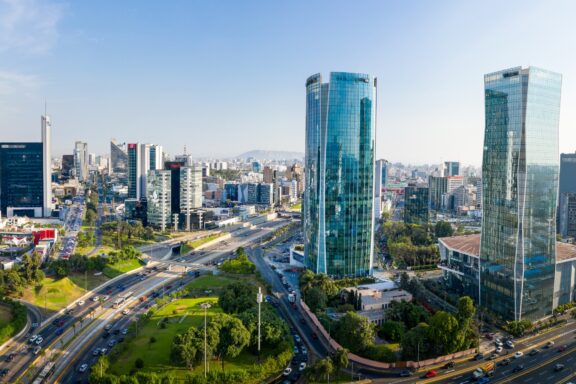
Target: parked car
column 518, row 355
column 478, row 356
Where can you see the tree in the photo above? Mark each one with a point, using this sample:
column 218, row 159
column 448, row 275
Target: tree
column 316, row 299
column 392, row 330
column 518, row 328
column 237, row 297
column 444, row 333
column 340, row 360
column 273, row 328
column 186, row 347
column 408, row 313
column 354, row 332
column 466, row 308
column 415, row 343
column 443, row 229
column 233, row 336
column 139, row 363
column 320, row 370
column 101, row 366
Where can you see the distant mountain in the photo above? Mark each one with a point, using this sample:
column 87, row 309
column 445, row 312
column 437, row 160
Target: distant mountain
column 271, row 155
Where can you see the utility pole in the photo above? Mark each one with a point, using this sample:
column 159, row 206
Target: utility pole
column 259, row 301
column 205, row 306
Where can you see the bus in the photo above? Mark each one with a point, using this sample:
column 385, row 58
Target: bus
column 46, row 372
column 122, row 299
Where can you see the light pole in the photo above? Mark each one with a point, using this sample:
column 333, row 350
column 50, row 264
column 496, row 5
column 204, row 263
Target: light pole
column 205, row 306
column 259, row 301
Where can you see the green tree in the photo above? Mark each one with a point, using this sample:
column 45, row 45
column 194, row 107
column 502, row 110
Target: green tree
column 237, row 297
column 354, row 332
column 340, row 360
column 466, row 308
column 101, row 366
column 320, row 370
column 139, row 363
column 273, row 328
column 234, row 336
column 444, row 333
column 392, row 330
column 416, row 344
column 316, row 299
column 443, row 229
column 186, row 347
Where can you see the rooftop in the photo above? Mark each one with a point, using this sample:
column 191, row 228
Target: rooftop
column 470, row 245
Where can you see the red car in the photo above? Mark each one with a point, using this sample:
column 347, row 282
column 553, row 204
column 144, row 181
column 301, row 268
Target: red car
column 430, row 374
column 562, row 348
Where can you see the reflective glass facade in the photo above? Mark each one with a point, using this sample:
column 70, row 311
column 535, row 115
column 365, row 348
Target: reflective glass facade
column 520, row 188
column 339, row 193
column 118, row 157
column 21, row 179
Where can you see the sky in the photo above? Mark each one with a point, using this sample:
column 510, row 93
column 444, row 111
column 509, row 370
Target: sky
column 225, row 77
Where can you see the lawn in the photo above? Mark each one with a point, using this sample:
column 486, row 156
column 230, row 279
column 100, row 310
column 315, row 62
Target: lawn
column 198, row 242
column 113, row 270
column 181, row 314
column 54, row 293
column 90, row 279
column 5, row 315
column 296, row 207
column 210, row 282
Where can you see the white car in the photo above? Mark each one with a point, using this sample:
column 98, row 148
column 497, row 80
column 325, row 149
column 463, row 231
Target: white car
column 518, row 355
column 83, row 368
column 81, row 302
column 499, row 350
column 304, row 351
column 302, row 366
column 33, row 338
column 39, row 340
column 126, row 311
column 37, row 350
column 95, row 298
column 287, row 371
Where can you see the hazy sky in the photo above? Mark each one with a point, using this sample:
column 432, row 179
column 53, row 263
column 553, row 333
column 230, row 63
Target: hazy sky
column 224, row 77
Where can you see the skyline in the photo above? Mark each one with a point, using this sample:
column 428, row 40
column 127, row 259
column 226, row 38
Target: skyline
column 170, row 75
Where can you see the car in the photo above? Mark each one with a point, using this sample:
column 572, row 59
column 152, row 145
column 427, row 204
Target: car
column 83, row 368
column 103, row 351
column 518, row 355
column 10, row 357
column 406, row 373
column 478, row 356
column 4, row 372
column 39, row 340
column 534, row 352
column 108, row 327
column 96, row 352
column 126, row 311
column 518, row 368
column 498, row 350
column 124, row 331
column 558, row 367
column 484, row 380
column 296, row 350
column 33, row 338
column 59, row 331
column 304, row 350
column 287, row 371
column 81, row 302
column 549, row 344
column 509, row 344
column 489, row 335
column 34, row 325
column 297, row 339
column 37, row 350
column 302, row 366
column 112, row 343
column 505, row 362
column 498, row 343
column 493, row 356
column 562, row 348
column 105, row 297
column 95, row 298
column 431, row 373
column 105, row 335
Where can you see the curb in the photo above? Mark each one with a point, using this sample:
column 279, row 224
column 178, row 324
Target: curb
column 22, row 332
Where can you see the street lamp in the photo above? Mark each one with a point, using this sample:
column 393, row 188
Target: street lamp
column 205, row 306
column 259, row 301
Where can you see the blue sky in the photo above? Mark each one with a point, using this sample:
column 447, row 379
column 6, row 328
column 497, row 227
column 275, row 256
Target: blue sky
column 224, row 77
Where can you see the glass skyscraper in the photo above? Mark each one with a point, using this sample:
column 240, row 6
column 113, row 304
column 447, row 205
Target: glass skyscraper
column 520, row 187
column 339, row 191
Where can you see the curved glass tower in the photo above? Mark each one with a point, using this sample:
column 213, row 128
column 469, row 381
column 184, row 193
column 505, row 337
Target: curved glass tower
column 520, row 188
column 339, row 194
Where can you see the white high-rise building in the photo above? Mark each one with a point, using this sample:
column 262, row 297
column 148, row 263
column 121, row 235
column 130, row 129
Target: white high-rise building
column 46, row 164
column 81, row 160
column 151, row 158
column 159, row 197
column 190, row 191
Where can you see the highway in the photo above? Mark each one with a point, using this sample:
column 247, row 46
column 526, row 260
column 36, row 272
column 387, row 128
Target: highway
column 66, row 324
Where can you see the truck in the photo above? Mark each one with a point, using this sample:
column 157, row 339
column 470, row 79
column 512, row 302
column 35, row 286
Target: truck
column 483, row 371
column 292, row 297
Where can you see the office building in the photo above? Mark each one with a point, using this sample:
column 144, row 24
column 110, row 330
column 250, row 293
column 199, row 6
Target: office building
column 81, row 160
column 190, row 192
column 26, row 176
column 381, row 175
column 520, row 190
column 567, row 173
column 265, row 194
column 134, row 171
column 567, row 215
column 67, row 166
column 159, row 198
column 231, row 191
column 416, row 204
column 118, row 157
column 156, row 156
column 338, row 206
column 451, row 168
column 438, row 187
